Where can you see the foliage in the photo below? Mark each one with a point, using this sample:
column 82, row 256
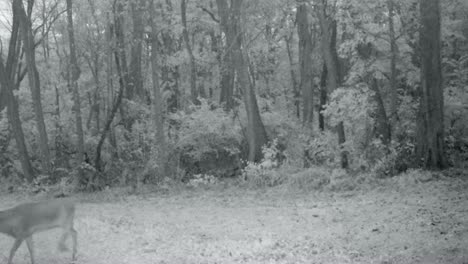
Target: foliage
column 265, row 173
column 208, row 141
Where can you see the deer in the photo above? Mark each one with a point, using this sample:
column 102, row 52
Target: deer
column 24, row 220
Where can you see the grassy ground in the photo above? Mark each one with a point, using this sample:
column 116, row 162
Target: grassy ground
column 399, row 222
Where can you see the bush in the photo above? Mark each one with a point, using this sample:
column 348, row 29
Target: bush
column 209, row 142
column 265, row 173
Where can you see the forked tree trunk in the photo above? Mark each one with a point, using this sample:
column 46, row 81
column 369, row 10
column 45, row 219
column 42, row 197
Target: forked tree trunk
column 328, row 27
column 256, row 133
column 34, row 82
column 193, row 70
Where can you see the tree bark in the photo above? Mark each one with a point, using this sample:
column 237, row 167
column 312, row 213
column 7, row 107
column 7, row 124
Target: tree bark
column 328, row 27
column 305, row 62
column 34, row 83
column 256, row 133
column 430, row 148
column 194, row 93
column 75, row 75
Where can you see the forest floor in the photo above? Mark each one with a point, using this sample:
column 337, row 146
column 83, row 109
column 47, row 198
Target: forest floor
column 424, row 222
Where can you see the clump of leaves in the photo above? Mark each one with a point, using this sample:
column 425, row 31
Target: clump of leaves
column 205, row 180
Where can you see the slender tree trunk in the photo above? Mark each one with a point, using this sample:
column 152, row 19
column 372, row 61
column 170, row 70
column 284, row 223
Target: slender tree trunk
column 227, row 65
column 122, row 84
column 382, row 124
column 136, row 77
column 430, row 148
column 157, row 98
column 295, row 90
column 34, row 83
column 393, row 74
column 305, row 61
column 323, row 96
column 194, row 93
column 330, row 56
column 256, row 133
column 75, row 74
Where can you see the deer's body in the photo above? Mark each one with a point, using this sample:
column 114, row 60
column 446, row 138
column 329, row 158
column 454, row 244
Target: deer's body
column 22, row 221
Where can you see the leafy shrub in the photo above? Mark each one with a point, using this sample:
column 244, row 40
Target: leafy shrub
column 209, row 141
column 265, row 173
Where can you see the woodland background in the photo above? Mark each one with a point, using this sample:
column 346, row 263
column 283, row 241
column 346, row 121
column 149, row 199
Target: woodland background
column 266, row 92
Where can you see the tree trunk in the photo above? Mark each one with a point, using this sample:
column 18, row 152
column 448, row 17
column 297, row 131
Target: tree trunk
column 295, row 90
column 430, row 148
column 194, row 93
column 136, row 77
column 115, row 106
column 382, row 125
column 34, row 83
column 393, row 74
column 14, row 118
column 157, row 99
column 305, row 62
column 256, row 134
column 328, row 27
column 323, row 96
column 75, row 74
column 227, row 65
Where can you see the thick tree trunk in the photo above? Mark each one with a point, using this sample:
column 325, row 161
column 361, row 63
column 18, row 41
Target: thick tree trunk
column 328, row 27
column 193, row 70
column 430, row 148
column 75, row 74
column 34, row 83
column 305, row 62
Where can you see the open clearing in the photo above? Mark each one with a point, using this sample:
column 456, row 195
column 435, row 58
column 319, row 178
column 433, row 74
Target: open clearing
column 416, row 223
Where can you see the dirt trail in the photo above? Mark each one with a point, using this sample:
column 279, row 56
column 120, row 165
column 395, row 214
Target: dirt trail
column 423, row 223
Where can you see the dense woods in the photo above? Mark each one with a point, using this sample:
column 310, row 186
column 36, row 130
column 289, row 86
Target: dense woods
column 132, row 92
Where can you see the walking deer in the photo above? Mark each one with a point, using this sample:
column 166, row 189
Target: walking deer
column 22, row 221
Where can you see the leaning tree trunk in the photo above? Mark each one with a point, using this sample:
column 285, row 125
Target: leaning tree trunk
column 430, row 148
column 34, row 82
column 256, row 133
column 328, row 27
